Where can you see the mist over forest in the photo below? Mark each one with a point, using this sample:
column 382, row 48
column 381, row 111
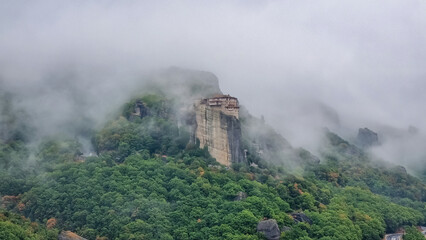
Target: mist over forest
column 313, row 72
column 302, row 66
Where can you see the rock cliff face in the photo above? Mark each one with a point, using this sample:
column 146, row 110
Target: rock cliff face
column 218, row 128
column 367, row 138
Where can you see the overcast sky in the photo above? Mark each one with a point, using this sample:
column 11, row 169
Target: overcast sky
column 288, row 60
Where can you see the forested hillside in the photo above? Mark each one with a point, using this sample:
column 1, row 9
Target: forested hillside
column 146, row 179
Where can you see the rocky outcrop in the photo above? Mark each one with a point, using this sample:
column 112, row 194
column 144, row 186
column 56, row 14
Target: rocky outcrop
column 367, row 138
column 68, row 235
column 240, row 196
column 217, row 127
column 269, row 228
column 140, row 111
column 233, row 129
column 301, row 217
column 394, row 236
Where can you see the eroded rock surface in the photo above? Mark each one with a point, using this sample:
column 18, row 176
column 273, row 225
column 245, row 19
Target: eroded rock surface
column 301, row 217
column 270, row 229
column 218, row 128
column 68, row 235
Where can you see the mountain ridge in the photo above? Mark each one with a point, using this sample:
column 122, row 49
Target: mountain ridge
column 150, row 180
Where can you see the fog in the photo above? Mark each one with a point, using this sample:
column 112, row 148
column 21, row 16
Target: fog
column 303, row 65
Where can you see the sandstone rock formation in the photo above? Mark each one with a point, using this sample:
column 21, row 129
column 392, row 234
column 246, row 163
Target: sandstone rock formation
column 68, row 235
column 269, row 228
column 218, row 128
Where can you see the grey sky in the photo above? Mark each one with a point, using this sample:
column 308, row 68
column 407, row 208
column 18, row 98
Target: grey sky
column 364, row 59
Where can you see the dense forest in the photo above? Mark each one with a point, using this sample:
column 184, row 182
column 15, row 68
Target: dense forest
column 146, row 180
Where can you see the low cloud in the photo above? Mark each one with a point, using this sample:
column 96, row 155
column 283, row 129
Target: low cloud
column 304, row 66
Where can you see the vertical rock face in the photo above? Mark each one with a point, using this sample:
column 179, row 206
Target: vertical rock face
column 367, row 138
column 218, row 128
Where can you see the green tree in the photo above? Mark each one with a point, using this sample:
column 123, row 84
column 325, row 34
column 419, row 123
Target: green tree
column 245, row 222
column 413, row 234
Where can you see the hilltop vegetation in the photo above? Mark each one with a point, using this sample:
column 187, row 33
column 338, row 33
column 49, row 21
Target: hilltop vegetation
column 13, row 226
column 148, row 181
